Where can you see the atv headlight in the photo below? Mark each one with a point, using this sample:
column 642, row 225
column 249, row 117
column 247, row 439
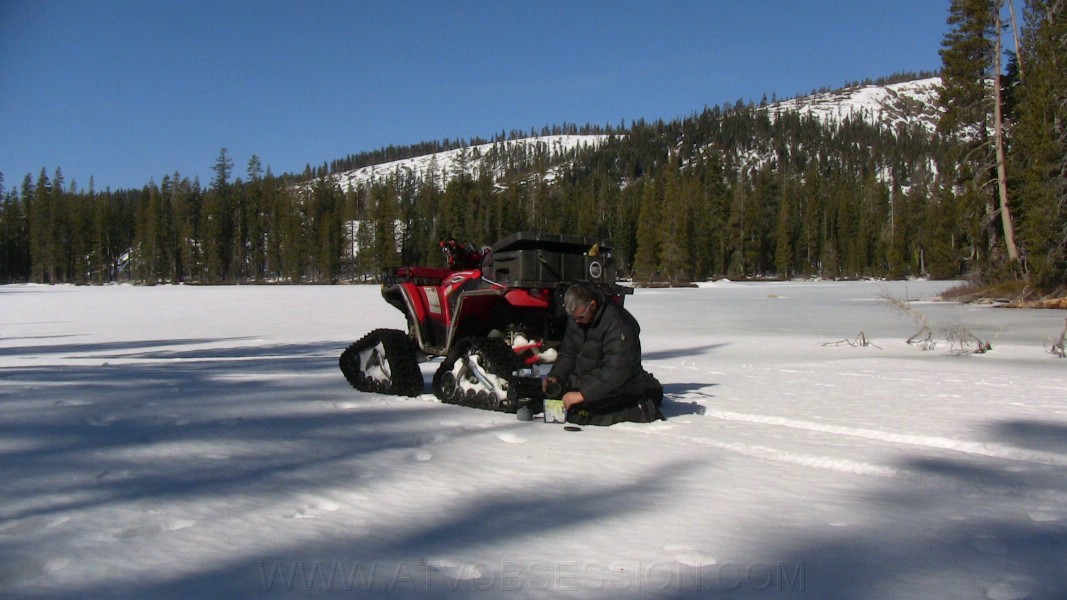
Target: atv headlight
column 595, row 269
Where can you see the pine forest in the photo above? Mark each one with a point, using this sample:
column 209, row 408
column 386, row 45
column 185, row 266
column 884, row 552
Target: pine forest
column 749, row 190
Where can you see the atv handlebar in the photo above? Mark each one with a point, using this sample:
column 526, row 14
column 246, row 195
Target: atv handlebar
column 462, row 256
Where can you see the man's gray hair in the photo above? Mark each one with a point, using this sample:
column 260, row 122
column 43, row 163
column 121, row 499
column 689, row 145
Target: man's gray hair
column 576, row 297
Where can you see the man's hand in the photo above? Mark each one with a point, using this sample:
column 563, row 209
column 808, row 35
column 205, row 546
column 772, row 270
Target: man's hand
column 571, row 399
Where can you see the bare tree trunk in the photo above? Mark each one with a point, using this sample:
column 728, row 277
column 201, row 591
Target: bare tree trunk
column 998, row 135
column 1015, row 36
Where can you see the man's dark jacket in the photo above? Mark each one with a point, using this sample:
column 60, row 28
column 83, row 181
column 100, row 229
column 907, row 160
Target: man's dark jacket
column 602, row 359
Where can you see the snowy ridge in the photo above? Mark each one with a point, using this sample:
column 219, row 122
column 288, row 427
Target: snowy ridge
column 444, row 166
column 894, row 105
column 891, row 106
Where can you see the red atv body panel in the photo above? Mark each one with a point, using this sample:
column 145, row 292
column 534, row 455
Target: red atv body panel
column 516, row 286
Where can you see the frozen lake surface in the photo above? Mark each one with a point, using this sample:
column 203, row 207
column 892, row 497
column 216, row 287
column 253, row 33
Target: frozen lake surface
column 176, row 442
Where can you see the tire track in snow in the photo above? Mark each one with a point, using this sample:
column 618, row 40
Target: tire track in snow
column 993, row 450
column 842, row 465
column 849, row 466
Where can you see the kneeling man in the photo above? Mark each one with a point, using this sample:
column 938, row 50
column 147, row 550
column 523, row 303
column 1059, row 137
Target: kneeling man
column 599, row 363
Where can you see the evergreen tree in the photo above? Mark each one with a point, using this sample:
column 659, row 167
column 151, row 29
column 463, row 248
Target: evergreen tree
column 674, row 220
column 971, row 98
column 936, row 254
column 383, row 250
column 785, row 232
column 103, row 251
column 737, row 230
column 1041, row 141
column 39, row 200
column 649, row 232
column 14, row 239
column 217, row 222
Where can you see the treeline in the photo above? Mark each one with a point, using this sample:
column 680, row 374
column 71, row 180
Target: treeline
column 736, row 191
column 232, row 231
column 895, row 78
column 733, row 192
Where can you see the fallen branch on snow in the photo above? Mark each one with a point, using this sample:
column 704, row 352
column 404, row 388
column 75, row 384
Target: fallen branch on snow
column 961, row 339
column 860, row 341
column 925, row 335
column 1057, row 348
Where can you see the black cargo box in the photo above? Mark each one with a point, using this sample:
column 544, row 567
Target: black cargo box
column 553, row 242
column 532, row 259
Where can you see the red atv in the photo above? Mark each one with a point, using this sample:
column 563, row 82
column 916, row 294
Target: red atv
column 493, row 314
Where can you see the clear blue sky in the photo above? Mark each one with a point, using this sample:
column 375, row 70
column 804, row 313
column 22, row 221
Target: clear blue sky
column 128, row 91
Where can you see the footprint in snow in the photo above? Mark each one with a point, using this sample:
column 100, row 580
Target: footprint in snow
column 109, row 475
column 30, row 525
column 455, row 570
column 510, row 438
column 143, row 529
column 327, row 505
column 179, row 524
column 74, row 402
column 422, row 456
column 689, row 556
column 1015, row 588
column 315, row 506
column 1040, row 516
column 989, row 545
column 137, row 531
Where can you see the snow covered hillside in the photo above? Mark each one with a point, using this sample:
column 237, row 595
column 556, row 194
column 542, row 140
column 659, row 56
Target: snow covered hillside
column 200, row 442
column 443, row 166
column 891, row 105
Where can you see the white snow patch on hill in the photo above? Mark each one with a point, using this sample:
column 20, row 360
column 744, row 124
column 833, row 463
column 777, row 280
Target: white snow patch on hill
column 889, row 105
column 443, row 166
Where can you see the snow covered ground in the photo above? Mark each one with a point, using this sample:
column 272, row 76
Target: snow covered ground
column 177, row 442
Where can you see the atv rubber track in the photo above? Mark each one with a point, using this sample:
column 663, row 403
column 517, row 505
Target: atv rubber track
column 400, row 357
column 495, row 357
